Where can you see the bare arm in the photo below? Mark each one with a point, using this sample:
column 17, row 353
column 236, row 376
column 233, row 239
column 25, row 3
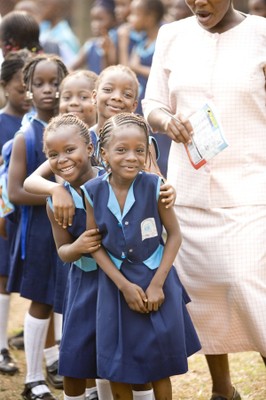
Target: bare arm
column 38, row 183
column 17, row 173
column 154, row 292
column 178, row 128
column 70, row 249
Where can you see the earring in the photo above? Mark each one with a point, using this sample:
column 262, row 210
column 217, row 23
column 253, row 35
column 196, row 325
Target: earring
column 29, row 95
column 57, row 95
column 6, row 95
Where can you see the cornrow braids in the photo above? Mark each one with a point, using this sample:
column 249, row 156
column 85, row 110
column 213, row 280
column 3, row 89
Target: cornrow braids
column 29, row 68
column 67, row 119
column 122, row 69
column 117, row 121
column 13, row 62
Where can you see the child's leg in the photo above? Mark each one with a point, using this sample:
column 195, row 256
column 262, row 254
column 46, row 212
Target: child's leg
column 104, row 389
column 143, row 392
column 51, row 354
column 74, row 387
column 91, row 389
column 35, row 331
column 162, row 389
column 121, row 391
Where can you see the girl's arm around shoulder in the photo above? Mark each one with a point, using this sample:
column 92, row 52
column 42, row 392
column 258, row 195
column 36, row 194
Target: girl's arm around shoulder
column 38, row 183
column 133, row 294
column 155, row 292
column 70, row 249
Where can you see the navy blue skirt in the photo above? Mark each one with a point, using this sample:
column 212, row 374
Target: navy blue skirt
column 77, row 357
column 139, row 348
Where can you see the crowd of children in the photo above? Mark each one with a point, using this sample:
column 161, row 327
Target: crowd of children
column 93, row 235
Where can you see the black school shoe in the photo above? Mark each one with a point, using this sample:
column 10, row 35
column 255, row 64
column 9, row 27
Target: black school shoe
column 236, row 396
column 17, row 341
column 27, row 393
column 7, row 364
column 93, row 396
column 53, row 377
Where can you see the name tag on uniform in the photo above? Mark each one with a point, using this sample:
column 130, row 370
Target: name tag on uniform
column 148, row 229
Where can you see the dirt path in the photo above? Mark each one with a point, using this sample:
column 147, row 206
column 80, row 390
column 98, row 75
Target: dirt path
column 248, row 371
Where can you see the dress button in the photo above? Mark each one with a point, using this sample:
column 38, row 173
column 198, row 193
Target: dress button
column 130, row 250
column 126, row 222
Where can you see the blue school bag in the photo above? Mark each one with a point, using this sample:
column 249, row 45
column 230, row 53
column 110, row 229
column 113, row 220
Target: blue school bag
column 7, row 209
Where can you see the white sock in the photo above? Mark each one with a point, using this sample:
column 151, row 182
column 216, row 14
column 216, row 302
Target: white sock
column 143, row 395
column 35, row 332
column 104, row 389
column 90, row 390
column 4, row 313
column 51, row 355
column 58, row 318
column 81, row 397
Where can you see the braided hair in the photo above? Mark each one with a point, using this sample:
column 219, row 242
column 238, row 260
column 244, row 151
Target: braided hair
column 29, row 68
column 13, row 62
column 19, row 30
column 67, row 119
column 117, row 121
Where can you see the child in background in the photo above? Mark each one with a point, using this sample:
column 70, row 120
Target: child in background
column 117, row 91
column 10, row 121
column 127, row 37
column 35, row 263
column 76, row 95
column 147, row 15
column 144, row 332
column 98, row 52
column 54, row 26
column 19, row 30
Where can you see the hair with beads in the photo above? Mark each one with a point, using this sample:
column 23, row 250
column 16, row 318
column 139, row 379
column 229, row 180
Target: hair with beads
column 29, row 68
column 121, row 69
column 89, row 75
column 13, row 62
column 67, row 119
column 118, row 121
column 19, row 30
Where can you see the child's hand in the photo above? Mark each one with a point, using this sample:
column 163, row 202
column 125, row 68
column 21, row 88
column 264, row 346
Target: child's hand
column 88, row 242
column 135, row 297
column 167, row 195
column 64, row 207
column 155, row 296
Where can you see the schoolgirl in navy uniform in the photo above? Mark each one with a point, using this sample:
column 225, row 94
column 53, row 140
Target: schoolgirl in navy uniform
column 144, row 332
column 34, row 270
column 10, row 121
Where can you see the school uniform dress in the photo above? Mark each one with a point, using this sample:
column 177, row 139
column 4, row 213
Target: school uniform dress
column 134, row 347
column 34, row 260
column 9, row 124
column 222, row 206
column 77, row 357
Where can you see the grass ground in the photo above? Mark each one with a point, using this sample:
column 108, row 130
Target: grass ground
column 247, row 369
